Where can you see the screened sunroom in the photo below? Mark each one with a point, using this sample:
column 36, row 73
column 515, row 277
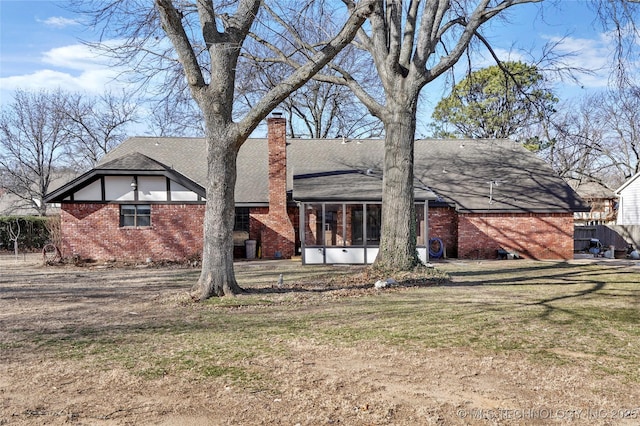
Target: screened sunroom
column 341, row 217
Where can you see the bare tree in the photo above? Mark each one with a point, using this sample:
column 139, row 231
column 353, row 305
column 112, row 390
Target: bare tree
column 33, row 138
column 14, row 235
column 574, row 133
column 597, row 139
column 175, row 119
column 321, row 110
column 411, row 44
column 317, row 109
column 206, row 38
column 620, row 19
column 622, row 118
column 95, row 125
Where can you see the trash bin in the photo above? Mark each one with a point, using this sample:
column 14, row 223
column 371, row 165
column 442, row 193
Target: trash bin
column 610, row 254
column 250, row 248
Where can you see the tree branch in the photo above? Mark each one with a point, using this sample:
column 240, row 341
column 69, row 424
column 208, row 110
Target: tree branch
column 303, row 73
column 172, row 25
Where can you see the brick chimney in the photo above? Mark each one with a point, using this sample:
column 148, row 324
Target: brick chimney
column 277, row 145
column 277, row 236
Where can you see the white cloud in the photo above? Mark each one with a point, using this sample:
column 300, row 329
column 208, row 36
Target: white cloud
column 592, row 54
column 92, row 81
column 75, row 56
column 484, row 59
column 59, row 22
column 597, row 54
column 578, row 53
column 73, row 68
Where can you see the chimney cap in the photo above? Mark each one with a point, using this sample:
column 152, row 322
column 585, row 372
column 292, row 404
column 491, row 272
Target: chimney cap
column 277, row 114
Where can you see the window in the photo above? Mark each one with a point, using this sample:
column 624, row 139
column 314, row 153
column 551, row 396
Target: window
column 338, row 225
column 135, row 215
column 357, row 233
column 313, row 220
column 241, row 219
column 374, row 223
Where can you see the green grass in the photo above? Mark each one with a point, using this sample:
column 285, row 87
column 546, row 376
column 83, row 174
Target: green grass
column 550, row 313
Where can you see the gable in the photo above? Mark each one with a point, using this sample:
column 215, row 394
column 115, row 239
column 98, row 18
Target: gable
column 629, row 204
column 633, row 180
column 188, row 156
column 133, row 177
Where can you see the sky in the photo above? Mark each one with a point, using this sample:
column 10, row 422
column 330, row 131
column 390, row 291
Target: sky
column 40, row 47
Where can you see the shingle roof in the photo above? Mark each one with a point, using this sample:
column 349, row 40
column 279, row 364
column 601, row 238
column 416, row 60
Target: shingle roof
column 493, row 176
column 472, row 175
column 337, row 169
column 13, row 205
column 187, row 155
column 588, row 189
column 133, row 161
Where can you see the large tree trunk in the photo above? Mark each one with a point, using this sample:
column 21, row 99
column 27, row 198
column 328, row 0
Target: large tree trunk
column 398, row 235
column 217, row 277
column 216, row 98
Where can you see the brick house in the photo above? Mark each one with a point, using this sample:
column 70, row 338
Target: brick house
column 320, row 199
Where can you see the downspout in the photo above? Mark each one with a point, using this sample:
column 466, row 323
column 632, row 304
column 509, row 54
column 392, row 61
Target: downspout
column 426, row 228
column 301, row 230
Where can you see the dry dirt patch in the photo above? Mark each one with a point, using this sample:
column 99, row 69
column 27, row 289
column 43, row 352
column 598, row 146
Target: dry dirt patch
column 119, row 346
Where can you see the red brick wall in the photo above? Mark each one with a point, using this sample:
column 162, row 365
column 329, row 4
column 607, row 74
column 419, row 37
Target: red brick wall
column 443, row 224
column 311, row 220
column 535, row 236
column 92, row 231
column 273, row 235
